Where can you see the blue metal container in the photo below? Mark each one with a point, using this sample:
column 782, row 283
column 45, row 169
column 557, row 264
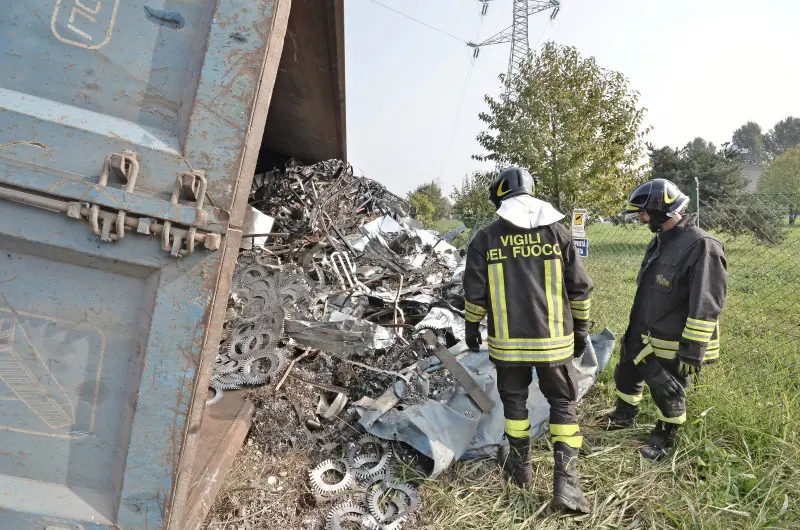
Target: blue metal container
column 129, row 131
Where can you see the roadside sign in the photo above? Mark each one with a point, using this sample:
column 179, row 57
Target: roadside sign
column 579, row 222
column 582, row 244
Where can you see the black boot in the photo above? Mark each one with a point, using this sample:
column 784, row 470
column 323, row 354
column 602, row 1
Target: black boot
column 661, row 440
column 517, row 462
column 566, row 483
column 623, row 416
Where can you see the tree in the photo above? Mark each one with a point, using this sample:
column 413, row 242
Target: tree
column 423, row 207
column 718, row 173
column 433, row 192
column 471, row 201
column 750, row 138
column 574, row 124
column 725, row 205
column 780, row 182
column 784, row 136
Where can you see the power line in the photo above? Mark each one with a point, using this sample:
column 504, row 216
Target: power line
column 419, row 21
column 463, row 98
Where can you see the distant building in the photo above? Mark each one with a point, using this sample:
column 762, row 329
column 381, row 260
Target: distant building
column 751, row 173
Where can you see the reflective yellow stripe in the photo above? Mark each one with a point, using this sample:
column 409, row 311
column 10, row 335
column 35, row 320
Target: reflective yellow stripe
column 701, row 325
column 580, row 304
column 711, row 355
column 518, row 428
column 531, row 356
column 630, row 399
column 660, row 343
column 472, row 318
column 553, row 280
column 532, row 344
column 474, row 309
column 561, row 429
column 647, row 350
column 580, row 314
column 576, row 442
column 665, row 349
column 677, row 420
column 697, row 336
column 497, row 291
column 526, row 343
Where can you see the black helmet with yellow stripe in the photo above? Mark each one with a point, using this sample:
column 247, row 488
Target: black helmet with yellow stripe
column 511, row 182
column 660, row 198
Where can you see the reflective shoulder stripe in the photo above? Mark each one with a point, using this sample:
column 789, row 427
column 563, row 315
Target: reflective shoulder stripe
column 497, row 292
column 554, row 280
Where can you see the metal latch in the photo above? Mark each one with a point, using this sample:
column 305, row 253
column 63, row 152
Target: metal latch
column 110, row 226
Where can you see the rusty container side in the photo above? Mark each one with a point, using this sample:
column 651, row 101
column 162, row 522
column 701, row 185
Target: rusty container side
column 126, row 129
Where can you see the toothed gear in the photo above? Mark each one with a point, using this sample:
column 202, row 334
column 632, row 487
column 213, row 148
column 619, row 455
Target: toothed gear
column 323, row 489
column 364, row 471
column 254, row 375
column 404, row 497
column 345, row 512
column 371, row 523
column 223, row 366
column 227, row 382
column 242, row 347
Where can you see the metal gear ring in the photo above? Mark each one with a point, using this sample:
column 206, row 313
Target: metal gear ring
column 347, row 512
column 224, row 365
column 242, row 347
column 325, row 489
column 404, row 497
column 364, row 466
column 216, row 398
column 254, row 376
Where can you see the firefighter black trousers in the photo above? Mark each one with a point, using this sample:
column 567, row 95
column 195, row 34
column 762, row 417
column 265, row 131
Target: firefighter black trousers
column 630, row 385
column 559, row 384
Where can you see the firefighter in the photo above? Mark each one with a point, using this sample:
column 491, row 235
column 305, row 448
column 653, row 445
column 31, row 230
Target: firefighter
column 673, row 329
column 524, row 274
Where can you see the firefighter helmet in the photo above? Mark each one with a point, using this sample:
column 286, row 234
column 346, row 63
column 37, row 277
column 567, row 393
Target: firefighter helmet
column 660, row 198
column 511, row 182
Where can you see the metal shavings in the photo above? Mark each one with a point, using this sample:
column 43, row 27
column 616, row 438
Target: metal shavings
column 318, row 475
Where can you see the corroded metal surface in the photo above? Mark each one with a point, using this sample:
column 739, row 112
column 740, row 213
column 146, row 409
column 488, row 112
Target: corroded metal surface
column 108, row 347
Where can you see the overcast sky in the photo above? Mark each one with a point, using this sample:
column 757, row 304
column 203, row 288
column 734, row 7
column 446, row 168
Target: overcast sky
column 703, row 68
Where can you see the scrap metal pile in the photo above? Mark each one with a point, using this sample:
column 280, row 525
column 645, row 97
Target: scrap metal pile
column 335, row 302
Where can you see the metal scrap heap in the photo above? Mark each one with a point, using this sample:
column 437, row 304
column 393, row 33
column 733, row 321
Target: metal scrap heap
column 331, row 301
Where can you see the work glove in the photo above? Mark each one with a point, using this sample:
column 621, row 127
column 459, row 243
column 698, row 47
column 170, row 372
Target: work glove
column 473, row 337
column 690, row 358
column 581, row 331
column 663, row 387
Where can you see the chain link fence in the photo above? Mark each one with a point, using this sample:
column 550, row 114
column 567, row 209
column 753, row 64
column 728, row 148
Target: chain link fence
column 760, row 326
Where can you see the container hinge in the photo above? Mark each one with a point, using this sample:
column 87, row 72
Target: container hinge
column 110, row 226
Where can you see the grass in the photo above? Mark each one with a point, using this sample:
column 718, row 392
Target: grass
column 737, row 461
column 445, row 225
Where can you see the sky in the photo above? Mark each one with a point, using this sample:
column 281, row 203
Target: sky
column 702, row 67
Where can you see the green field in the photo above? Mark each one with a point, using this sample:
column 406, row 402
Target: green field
column 737, row 463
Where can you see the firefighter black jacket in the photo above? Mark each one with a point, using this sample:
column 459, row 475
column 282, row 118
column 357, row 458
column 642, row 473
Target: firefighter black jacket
column 531, row 284
column 680, row 294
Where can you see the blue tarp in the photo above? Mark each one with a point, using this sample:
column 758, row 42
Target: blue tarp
column 452, row 427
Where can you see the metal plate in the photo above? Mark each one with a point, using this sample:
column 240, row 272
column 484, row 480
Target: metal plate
column 104, row 347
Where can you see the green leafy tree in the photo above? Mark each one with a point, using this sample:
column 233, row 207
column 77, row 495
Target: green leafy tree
column 574, row 124
column 471, row 200
column 780, row 182
column 717, row 171
column 433, row 192
column 751, row 139
column 423, row 207
column 784, row 136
